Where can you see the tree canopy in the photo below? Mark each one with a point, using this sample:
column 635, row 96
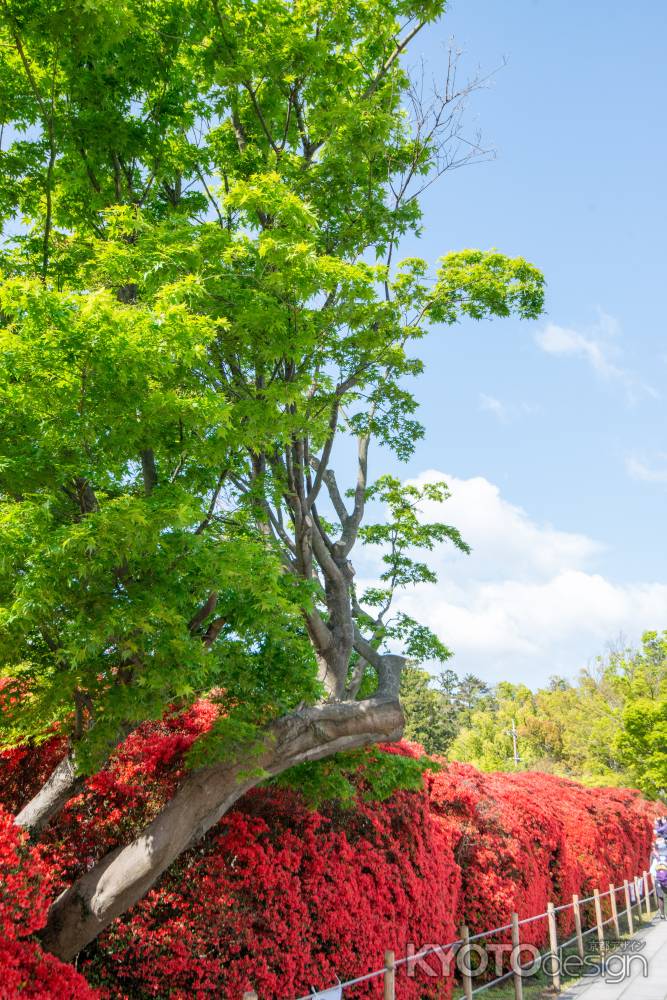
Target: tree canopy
column 203, row 301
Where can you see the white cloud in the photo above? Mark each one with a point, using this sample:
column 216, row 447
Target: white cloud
column 639, row 469
column 599, row 347
column 562, row 340
column 504, row 412
column 528, row 602
column 494, row 406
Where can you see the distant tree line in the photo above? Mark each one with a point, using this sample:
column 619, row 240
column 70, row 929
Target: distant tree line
column 609, row 727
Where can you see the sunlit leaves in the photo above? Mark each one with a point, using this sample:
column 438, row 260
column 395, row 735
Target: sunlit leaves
column 398, row 538
column 480, row 283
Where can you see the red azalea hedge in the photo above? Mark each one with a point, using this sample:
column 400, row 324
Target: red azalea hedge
column 284, row 898
column 25, row 881
column 526, row 838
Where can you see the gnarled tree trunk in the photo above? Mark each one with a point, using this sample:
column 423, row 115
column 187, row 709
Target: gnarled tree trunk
column 126, row 874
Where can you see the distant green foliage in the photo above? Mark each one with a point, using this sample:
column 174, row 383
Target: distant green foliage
column 437, row 709
column 429, row 716
column 608, row 728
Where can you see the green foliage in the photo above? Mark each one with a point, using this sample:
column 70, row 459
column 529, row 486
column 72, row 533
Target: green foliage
column 430, row 718
column 434, row 716
column 476, row 283
column 469, row 694
column 403, row 532
column 642, row 744
column 608, row 728
column 374, row 773
column 189, row 317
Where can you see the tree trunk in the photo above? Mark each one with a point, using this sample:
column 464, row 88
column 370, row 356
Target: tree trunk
column 61, row 786
column 126, row 874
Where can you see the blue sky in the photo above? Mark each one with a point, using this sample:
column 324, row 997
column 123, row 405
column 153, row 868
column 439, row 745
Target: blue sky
column 565, row 417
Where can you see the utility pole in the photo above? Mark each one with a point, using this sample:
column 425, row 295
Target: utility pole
column 515, row 743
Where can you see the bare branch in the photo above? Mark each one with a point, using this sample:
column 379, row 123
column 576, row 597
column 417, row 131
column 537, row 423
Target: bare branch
column 212, row 200
column 335, row 496
column 319, row 630
column 388, row 665
column 328, row 564
column 320, row 527
column 309, row 148
column 279, row 528
column 356, row 677
column 288, row 117
column 260, row 117
column 351, row 528
column 213, row 631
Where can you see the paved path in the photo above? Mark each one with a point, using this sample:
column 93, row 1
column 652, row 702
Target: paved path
column 635, row 985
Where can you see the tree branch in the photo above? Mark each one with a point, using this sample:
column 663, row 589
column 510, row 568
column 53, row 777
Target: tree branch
column 351, row 529
column 149, row 470
column 212, row 201
column 335, row 496
column 400, row 47
column 389, row 666
column 204, row 523
column 62, row 784
column 204, row 612
column 320, row 470
column 260, row 117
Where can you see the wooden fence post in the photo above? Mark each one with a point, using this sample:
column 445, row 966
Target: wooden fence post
column 638, row 899
column 614, row 909
column 516, row 950
column 598, row 920
column 389, row 976
column 628, row 908
column 464, row 964
column 553, row 947
column 577, row 925
column 647, row 895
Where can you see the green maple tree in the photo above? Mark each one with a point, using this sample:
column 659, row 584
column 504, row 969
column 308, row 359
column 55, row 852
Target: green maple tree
column 203, row 298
